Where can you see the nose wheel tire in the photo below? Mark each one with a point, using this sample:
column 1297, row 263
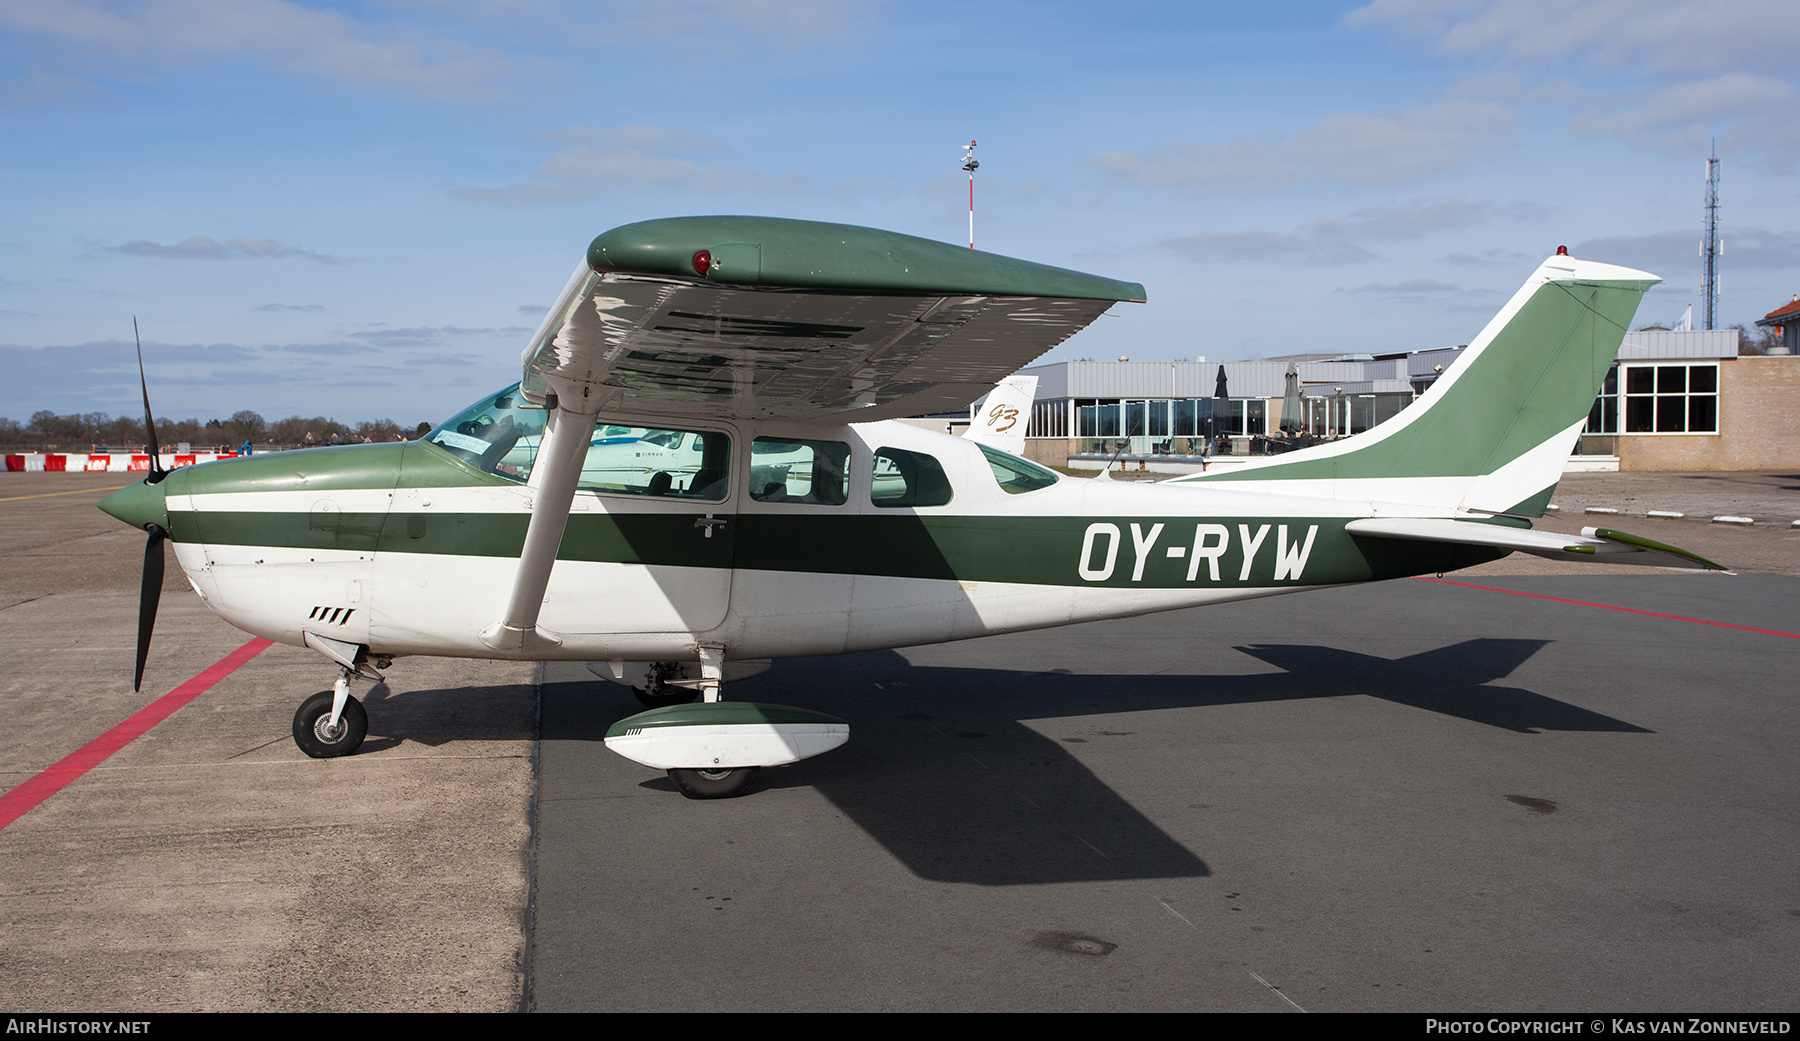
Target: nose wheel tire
column 713, row 784
column 317, row 738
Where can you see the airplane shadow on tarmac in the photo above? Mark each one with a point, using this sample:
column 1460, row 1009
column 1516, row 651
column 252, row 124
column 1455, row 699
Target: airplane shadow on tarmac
column 942, row 771
column 438, row 717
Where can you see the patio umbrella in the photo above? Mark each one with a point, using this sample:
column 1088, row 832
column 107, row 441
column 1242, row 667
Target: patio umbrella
column 1221, row 406
column 1292, row 422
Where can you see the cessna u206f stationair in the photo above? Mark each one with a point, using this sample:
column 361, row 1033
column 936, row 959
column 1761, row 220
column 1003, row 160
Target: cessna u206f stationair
column 693, row 478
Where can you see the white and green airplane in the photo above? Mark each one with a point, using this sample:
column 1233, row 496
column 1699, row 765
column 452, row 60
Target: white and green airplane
column 694, row 477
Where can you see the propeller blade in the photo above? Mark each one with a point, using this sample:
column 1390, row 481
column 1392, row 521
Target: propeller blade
column 148, row 597
column 156, row 470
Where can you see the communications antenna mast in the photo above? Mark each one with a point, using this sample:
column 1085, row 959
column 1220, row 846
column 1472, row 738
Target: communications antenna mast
column 970, row 164
column 1711, row 248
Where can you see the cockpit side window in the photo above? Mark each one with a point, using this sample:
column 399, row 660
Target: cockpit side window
column 788, row 469
column 673, row 464
column 1016, row 476
column 904, row 479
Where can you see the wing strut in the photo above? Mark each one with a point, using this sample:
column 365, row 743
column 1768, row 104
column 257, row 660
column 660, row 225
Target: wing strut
column 567, row 435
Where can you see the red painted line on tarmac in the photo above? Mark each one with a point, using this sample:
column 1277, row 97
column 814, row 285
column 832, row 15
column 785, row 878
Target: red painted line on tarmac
column 23, row 799
column 1608, row 607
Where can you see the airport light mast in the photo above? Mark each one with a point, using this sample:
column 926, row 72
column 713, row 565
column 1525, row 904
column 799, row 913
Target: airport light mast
column 970, row 164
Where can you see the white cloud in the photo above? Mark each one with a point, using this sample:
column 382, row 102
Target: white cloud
column 1676, row 37
column 785, row 24
column 39, row 86
column 524, row 193
column 1440, row 296
column 326, row 349
column 1334, row 239
column 1488, row 258
column 1746, row 112
column 642, row 156
column 199, row 247
column 284, row 36
column 1415, row 287
column 634, row 168
column 636, row 157
column 1421, row 217
column 1674, row 251
column 1233, row 246
column 639, row 137
column 1356, row 148
column 1682, row 64
column 427, row 336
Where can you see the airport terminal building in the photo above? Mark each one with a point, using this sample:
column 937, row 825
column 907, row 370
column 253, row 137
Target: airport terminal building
column 1673, row 401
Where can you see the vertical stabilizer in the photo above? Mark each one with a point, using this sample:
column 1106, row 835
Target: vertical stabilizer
column 1001, row 419
column 1492, row 434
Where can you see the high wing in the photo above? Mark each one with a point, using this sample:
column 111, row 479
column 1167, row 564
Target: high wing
column 746, row 317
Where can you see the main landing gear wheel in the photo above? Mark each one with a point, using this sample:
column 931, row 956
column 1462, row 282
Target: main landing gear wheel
column 663, row 697
column 320, row 740
column 713, row 784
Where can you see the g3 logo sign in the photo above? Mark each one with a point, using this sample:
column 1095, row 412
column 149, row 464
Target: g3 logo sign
column 1002, row 418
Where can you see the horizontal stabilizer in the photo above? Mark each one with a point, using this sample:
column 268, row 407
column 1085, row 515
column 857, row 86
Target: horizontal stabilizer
column 1597, row 545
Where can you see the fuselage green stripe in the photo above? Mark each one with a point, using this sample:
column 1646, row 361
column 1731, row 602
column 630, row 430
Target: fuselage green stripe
column 1152, row 552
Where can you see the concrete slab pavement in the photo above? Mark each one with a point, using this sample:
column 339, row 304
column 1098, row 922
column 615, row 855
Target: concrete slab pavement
column 209, row 865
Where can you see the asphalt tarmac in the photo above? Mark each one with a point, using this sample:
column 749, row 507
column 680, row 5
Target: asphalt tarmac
column 209, row 865
column 1415, row 796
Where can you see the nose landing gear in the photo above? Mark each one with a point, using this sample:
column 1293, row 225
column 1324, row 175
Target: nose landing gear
column 321, row 737
column 331, row 724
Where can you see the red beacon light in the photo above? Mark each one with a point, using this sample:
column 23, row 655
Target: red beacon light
column 1561, row 251
column 703, row 262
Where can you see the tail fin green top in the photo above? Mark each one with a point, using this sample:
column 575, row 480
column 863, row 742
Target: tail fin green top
column 1492, row 434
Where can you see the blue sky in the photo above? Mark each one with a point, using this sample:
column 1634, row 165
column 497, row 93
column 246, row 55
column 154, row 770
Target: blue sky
column 362, row 210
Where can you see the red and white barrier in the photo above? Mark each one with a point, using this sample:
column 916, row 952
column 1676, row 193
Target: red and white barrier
column 117, row 462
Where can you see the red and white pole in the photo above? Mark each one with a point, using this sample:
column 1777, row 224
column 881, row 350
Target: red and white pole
column 970, row 164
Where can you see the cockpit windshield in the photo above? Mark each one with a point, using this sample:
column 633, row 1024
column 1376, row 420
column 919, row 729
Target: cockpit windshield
column 499, row 434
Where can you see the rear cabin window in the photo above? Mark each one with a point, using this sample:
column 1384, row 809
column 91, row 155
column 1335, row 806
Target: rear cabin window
column 905, row 479
column 1016, row 476
column 786, row 469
